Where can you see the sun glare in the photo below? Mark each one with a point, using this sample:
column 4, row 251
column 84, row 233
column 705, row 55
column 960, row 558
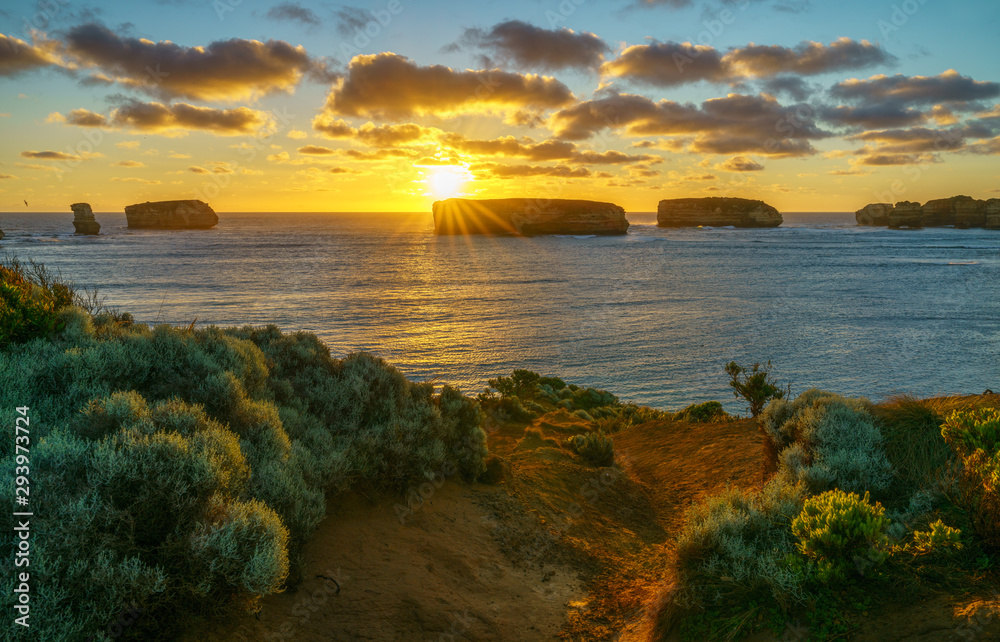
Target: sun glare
column 447, row 181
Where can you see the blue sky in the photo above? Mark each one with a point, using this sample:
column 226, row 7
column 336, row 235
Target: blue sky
column 913, row 39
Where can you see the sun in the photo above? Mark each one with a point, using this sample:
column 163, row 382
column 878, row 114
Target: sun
column 447, row 181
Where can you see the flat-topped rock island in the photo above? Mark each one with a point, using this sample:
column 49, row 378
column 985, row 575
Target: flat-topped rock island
column 716, row 212
column 171, row 215
column 528, row 217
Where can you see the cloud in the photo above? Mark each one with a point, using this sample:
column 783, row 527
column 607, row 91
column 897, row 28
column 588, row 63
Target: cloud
column 740, row 164
column 128, row 163
column 949, row 86
column 527, row 46
column 669, row 64
column 5, row 176
column 731, row 125
column 198, row 170
column 17, row 56
column 315, row 150
column 873, row 115
column 223, row 70
column 879, row 160
column 393, row 87
column 381, row 154
column 129, row 144
column 134, row 179
column 294, row 12
column 49, row 155
column 922, row 139
column 371, row 134
column 158, row 118
column 792, row 86
column 296, row 134
column 496, row 170
column 849, row 172
column 991, row 147
column 806, row 59
column 178, row 155
column 510, row 146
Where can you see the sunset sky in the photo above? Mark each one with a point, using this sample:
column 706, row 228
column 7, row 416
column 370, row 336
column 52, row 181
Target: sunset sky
column 810, row 105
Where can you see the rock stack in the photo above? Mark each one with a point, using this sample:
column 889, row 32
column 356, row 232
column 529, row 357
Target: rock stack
column 528, row 216
column 83, row 219
column 959, row 211
column 171, row 215
column 716, row 212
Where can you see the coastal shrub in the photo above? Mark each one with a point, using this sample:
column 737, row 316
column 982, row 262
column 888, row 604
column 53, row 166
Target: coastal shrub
column 975, row 436
column 30, row 301
column 526, row 395
column 180, row 472
column 702, row 413
column 755, row 384
column 738, row 542
column 595, row 448
column 842, row 534
column 920, row 458
column 827, row 441
column 940, row 537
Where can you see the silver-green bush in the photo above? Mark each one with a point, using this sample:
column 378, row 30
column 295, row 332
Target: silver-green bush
column 827, row 441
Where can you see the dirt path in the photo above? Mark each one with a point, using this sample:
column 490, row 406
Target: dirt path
column 438, row 576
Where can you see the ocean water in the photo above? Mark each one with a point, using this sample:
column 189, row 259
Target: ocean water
column 652, row 316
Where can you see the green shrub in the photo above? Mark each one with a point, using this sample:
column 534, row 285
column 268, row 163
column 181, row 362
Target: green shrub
column 30, row 301
column 523, row 396
column 181, row 472
column 755, row 385
column 702, row 412
column 594, row 447
column 842, row 534
column 973, row 430
column 939, row 538
column 739, row 542
column 828, row 442
column 975, row 436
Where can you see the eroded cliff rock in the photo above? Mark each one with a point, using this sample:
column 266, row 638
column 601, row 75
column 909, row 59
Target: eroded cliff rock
column 874, row 214
column 528, row 216
column 716, row 212
column 83, row 219
column 960, row 211
column 171, row 215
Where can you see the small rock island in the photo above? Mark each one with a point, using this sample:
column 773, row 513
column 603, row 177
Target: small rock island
column 83, row 219
column 528, row 217
column 959, row 211
column 716, row 212
column 171, row 215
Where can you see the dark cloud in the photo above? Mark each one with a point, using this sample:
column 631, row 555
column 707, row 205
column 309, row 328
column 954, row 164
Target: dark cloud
column 741, row 164
column 371, row 134
column 223, row 70
column 668, row 64
column 49, row 155
column 350, row 19
column 528, row 46
column 294, row 12
column 880, row 159
column 17, row 56
column 394, row 87
column 496, row 170
column 731, row 125
column 947, row 87
column 872, row 116
column 158, row 117
column 791, row 86
column 510, row 146
column 806, row 59
column 315, row 150
column 922, row 139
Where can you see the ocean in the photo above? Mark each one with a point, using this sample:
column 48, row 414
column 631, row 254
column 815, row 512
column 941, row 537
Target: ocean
column 652, row 316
